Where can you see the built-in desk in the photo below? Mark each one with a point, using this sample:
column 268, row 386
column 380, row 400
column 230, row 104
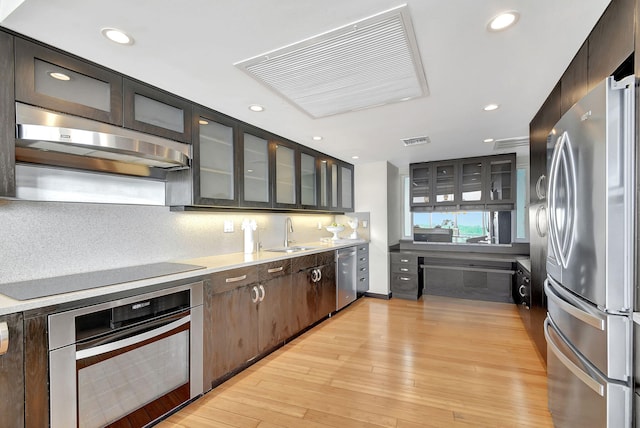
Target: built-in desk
column 469, row 271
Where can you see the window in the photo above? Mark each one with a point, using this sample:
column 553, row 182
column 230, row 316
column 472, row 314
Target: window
column 521, row 232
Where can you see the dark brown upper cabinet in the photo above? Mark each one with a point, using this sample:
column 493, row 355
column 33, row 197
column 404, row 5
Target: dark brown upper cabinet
column 574, row 79
column 255, row 168
column 8, row 122
column 309, row 161
column 345, row 187
column 148, row 109
column 445, row 184
column 215, row 159
column 325, row 184
column 611, row 41
column 53, row 80
column 472, row 182
column 285, row 174
column 501, row 181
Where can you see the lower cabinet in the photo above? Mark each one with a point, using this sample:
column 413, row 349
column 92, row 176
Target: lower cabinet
column 230, row 322
column 522, row 294
column 363, row 269
column 249, row 311
column 314, row 289
column 406, row 280
column 11, row 373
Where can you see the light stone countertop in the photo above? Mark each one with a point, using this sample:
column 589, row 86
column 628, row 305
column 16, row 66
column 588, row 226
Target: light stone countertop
column 210, row 265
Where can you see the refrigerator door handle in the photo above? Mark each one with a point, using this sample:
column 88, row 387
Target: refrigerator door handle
column 541, row 231
column 551, row 194
column 573, row 309
column 596, row 386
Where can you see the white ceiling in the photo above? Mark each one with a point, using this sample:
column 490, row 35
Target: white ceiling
column 189, row 48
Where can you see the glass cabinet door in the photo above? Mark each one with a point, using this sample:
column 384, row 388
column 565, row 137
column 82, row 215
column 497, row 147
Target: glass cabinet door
column 346, row 188
column 216, row 162
column 308, row 180
column 471, row 180
column 501, row 179
column 421, row 184
column 256, row 171
column 285, row 175
column 156, row 112
column 445, row 183
column 52, row 80
column 324, row 186
column 334, row 186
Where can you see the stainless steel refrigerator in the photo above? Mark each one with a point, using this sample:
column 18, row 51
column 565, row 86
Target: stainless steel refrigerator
column 590, row 261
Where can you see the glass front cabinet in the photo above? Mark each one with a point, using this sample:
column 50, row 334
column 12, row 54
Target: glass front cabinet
column 255, row 169
column 310, row 179
column 501, row 184
column 445, row 189
column 285, row 174
column 215, row 159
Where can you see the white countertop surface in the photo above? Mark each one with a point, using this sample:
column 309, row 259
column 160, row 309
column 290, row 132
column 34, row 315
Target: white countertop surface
column 210, row 265
column 526, row 263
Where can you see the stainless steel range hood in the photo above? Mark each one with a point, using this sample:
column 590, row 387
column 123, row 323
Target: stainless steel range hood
column 51, row 138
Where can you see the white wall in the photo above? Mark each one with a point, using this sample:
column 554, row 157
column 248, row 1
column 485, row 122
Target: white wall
column 376, row 191
column 44, row 239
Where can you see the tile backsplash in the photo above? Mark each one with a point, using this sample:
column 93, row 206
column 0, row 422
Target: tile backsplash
column 44, row 239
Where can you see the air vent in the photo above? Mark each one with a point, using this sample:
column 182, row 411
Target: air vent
column 368, row 63
column 414, row 141
column 511, row 143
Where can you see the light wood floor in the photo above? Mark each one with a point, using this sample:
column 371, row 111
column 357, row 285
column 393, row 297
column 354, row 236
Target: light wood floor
column 438, row 362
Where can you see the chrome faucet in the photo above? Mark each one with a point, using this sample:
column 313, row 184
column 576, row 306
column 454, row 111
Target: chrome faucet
column 288, row 228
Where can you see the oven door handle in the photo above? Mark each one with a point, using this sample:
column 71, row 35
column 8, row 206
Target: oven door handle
column 163, row 328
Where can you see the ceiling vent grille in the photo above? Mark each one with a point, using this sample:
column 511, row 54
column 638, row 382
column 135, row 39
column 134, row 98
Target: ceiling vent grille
column 511, row 143
column 414, row 141
column 371, row 62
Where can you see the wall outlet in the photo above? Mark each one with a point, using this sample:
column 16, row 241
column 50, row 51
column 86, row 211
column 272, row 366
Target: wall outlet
column 228, row 226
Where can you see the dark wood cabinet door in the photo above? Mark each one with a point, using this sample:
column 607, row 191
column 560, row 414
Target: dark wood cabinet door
column 36, row 371
column 303, row 293
column 574, row 80
column 8, row 123
column 231, row 320
column 274, row 312
column 611, row 41
column 54, row 80
column 148, row 109
column 326, row 291
column 12, row 375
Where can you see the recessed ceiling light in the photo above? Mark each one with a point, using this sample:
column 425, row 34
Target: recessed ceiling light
column 117, row 36
column 488, row 140
column 317, row 138
column 256, row 107
column 59, row 76
column 490, row 107
column 503, row 21
column 203, row 122
column 355, row 157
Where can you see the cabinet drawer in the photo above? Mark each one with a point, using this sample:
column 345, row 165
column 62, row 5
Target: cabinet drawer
column 233, row 278
column 363, row 270
column 272, row 270
column 404, row 269
column 363, row 250
column 405, row 259
column 404, row 283
column 363, row 282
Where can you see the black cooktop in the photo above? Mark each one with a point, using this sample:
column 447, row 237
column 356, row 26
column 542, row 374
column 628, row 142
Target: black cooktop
column 34, row 289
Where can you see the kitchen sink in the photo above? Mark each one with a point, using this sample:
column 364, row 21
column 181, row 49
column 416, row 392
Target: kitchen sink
column 293, row 249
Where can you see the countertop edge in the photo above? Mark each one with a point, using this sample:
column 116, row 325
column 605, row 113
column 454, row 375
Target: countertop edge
column 212, row 264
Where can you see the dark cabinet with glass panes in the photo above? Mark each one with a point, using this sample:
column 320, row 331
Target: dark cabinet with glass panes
column 467, row 184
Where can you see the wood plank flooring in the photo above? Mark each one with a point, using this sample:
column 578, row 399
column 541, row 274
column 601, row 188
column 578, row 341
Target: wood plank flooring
column 438, row 362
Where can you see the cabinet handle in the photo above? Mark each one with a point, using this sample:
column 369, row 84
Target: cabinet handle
column 274, row 270
column 255, row 299
column 319, row 274
column 262, row 291
column 521, row 291
column 404, row 278
column 363, row 279
column 363, row 259
column 404, row 260
column 236, row 279
column 4, row 338
column 364, row 269
column 404, row 270
column 314, row 275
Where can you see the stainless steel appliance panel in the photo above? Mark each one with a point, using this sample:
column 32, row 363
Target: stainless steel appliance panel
column 579, row 396
column 591, row 198
column 346, row 276
column 602, row 338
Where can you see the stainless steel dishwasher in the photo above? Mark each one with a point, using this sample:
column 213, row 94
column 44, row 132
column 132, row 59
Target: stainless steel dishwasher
column 346, row 274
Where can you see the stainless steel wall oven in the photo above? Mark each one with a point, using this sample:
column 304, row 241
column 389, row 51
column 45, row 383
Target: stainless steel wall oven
column 127, row 361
